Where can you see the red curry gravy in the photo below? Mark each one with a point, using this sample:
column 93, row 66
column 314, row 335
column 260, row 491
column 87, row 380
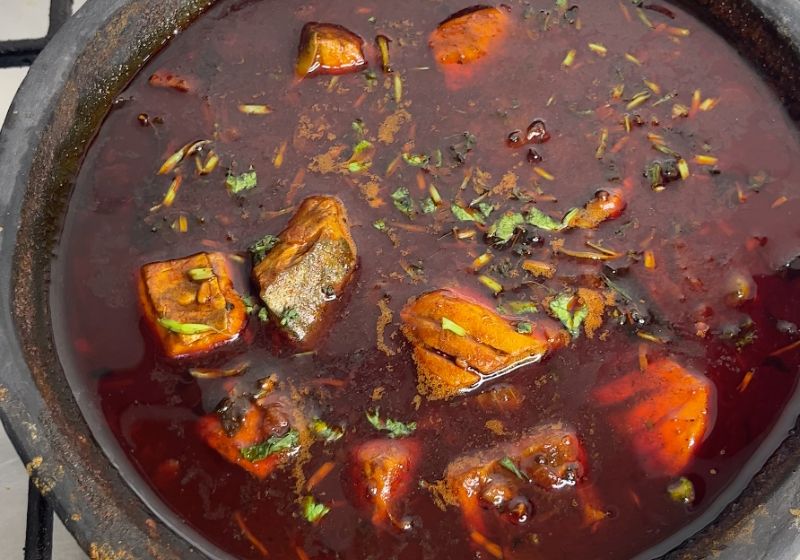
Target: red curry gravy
column 439, row 167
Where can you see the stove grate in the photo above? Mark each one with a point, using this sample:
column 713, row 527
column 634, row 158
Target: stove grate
column 23, row 52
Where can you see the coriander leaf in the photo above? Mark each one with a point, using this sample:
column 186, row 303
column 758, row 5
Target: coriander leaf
column 681, row 491
column 539, row 219
column 263, row 315
column 361, row 158
column 359, row 128
column 524, row 327
column 517, row 308
column 560, row 308
column 314, row 511
column 380, row 224
column 260, row 248
column 275, row 444
column 324, row 432
column 428, row 206
column 465, row 215
column 416, row 160
column 454, row 328
column 569, row 217
column 184, row 328
column 201, row 274
column 485, row 208
column 403, row 201
column 289, row 315
column 249, row 304
column 241, row 183
column 358, row 166
column 395, row 428
column 508, row 463
column 503, row 229
column 460, row 149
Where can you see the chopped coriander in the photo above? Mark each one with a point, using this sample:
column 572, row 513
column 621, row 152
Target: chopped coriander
column 539, row 219
column 465, row 215
column 561, row 307
column 485, row 208
column 416, row 160
column 508, row 463
column 379, row 224
column 184, row 328
column 502, row 230
column 517, row 308
column 263, row 315
column 249, row 304
column 460, row 149
column 361, row 158
column 358, row 166
column 524, row 327
column 454, row 328
column 289, row 315
column 314, row 511
column 395, row 428
column 201, row 274
column 495, row 286
column 359, row 128
column 681, row 491
column 325, row 432
column 260, row 248
column 275, row 444
column 243, row 182
column 402, row 201
column 428, row 206
column 371, row 77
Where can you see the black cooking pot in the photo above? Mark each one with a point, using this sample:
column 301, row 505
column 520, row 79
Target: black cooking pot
column 54, row 116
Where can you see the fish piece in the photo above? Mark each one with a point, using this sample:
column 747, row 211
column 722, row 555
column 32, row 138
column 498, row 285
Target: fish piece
column 254, row 434
column 308, row 268
column 549, row 457
column 606, row 205
column 190, row 304
column 383, row 472
column 326, row 48
column 468, row 35
column 665, row 411
column 458, row 343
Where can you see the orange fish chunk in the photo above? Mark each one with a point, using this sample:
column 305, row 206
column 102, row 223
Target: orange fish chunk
column 606, row 205
column 383, row 470
column 549, row 457
column 468, row 35
column 241, row 423
column 458, row 343
column 666, row 411
column 190, row 304
column 326, row 48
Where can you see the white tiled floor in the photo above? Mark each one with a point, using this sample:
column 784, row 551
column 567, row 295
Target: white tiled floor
column 22, row 19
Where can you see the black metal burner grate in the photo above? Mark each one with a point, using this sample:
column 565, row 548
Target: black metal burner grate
column 22, row 52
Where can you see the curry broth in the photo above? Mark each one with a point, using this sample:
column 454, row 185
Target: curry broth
column 708, row 258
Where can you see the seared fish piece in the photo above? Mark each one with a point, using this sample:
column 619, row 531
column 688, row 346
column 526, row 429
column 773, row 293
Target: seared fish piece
column 459, row 343
column 308, row 268
column 190, row 304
